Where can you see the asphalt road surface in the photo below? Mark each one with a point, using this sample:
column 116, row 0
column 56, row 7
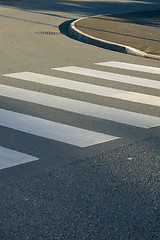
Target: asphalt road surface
column 79, row 128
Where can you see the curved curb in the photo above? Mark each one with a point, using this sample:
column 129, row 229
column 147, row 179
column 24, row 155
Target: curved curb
column 106, row 44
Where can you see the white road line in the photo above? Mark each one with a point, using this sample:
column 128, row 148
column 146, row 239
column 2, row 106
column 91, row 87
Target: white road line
column 85, row 108
column 87, row 88
column 130, row 66
column 10, row 158
column 52, row 130
column 144, row 82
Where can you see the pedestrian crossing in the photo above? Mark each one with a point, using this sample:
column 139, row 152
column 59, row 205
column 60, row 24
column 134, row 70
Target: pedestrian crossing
column 52, row 130
column 143, row 82
column 81, row 107
column 129, row 66
column 73, row 135
column 10, row 158
column 86, row 87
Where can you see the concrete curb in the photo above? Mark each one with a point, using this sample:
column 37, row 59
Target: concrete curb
column 106, row 44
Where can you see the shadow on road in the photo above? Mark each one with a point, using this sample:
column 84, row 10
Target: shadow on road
column 85, row 8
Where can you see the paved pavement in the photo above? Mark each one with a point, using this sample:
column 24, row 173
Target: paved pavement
column 105, row 191
column 138, row 30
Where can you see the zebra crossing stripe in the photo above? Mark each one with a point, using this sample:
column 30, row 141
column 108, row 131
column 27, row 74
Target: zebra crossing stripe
column 130, row 66
column 52, row 130
column 87, row 88
column 10, row 158
column 143, row 82
column 80, row 107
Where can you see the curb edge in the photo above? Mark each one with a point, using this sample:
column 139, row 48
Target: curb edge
column 106, row 44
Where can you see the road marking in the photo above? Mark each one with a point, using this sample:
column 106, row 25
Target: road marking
column 52, row 130
column 80, row 107
column 10, row 158
column 87, row 88
column 129, row 66
column 143, row 82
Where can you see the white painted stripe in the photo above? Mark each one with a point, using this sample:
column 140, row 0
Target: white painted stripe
column 52, row 130
column 130, row 66
column 85, row 108
column 87, row 88
column 10, row 158
column 144, row 82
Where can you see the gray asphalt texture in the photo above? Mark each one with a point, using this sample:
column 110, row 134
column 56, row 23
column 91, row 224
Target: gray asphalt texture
column 108, row 191
column 140, row 30
column 114, row 195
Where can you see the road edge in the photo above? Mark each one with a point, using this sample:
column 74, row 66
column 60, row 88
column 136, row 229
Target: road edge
column 106, row 44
